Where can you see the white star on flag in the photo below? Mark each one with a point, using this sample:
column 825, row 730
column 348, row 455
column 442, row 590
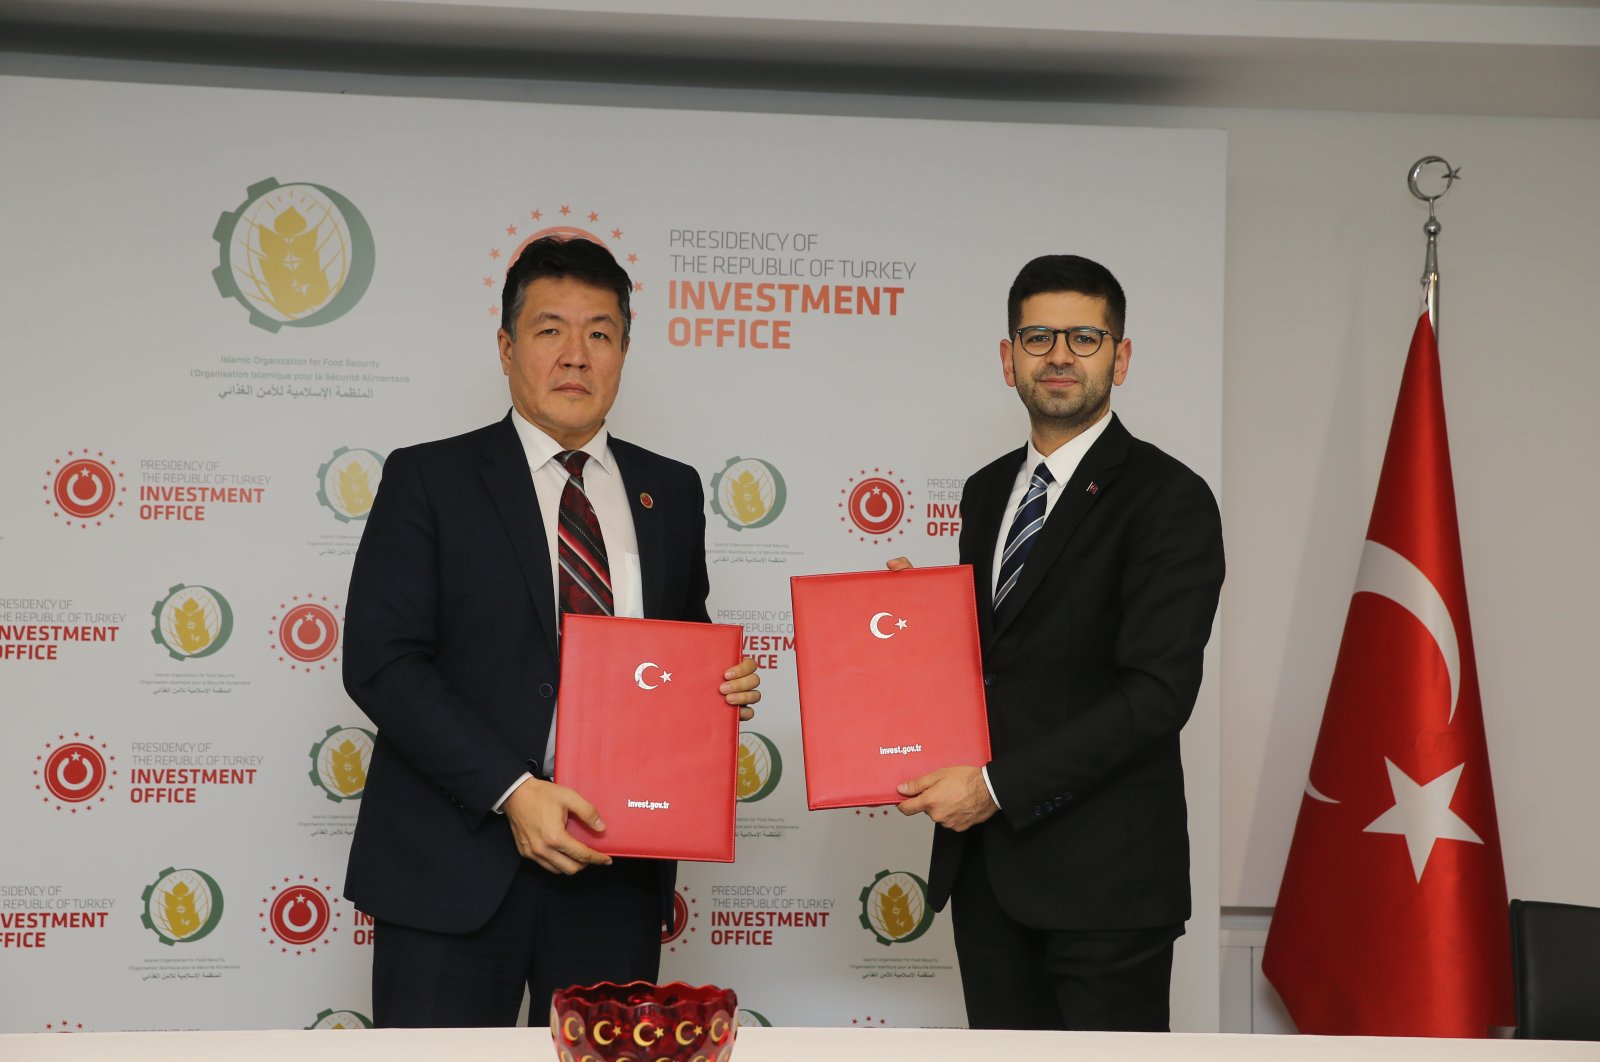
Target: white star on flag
column 666, row 676
column 1422, row 815
column 900, row 624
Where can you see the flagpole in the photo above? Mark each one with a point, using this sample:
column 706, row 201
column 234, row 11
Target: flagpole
column 1430, row 265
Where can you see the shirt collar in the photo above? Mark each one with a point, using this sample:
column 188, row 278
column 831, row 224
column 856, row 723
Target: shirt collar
column 541, row 449
column 1064, row 462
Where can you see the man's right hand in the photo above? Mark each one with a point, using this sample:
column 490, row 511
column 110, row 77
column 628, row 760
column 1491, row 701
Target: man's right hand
column 899, row 564
column 537, row 811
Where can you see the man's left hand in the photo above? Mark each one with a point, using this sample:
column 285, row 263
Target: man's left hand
column 740, row 688
column 955, row 797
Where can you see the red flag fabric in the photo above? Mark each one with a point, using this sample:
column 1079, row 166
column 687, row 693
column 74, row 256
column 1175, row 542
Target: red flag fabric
column 1391, row 919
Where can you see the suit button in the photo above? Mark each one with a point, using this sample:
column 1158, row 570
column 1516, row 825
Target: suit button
column 988, row 680
column 546, row 690
column 1037, row 811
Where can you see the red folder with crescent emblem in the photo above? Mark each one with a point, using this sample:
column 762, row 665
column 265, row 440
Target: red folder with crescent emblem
column 891, row 681
column 644, row 736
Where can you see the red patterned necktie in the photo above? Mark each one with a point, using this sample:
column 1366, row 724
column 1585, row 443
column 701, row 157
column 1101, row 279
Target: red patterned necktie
column 585, row 582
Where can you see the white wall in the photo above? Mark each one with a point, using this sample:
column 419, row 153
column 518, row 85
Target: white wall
column 1324, row 250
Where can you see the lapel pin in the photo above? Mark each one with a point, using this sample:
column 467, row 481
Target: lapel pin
column 1093, row 488
column 646, row 501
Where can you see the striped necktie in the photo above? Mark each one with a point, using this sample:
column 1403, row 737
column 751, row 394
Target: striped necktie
column 585, row 583
column 1024, row 528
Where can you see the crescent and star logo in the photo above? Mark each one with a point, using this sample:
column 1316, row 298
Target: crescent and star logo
column 684, row 917
column 84, row 488
column 306, row 632
column 565, row 223
column 643, row 673
column 293, row 254
column 1421, row 811
column 874, row 506
column 875, row 625
column 299, row 915
column 74, row 773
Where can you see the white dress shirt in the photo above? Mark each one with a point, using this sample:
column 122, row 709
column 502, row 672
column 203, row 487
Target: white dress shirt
column 602, row 482
column 1062, row 464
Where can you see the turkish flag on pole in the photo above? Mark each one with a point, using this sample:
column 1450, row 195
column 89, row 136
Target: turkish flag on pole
column 1391, row 919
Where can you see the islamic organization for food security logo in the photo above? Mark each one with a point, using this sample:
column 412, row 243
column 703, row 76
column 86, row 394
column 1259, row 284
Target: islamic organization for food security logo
column 191, row 621
column 340, row 760
column 298, row 915
column 565, row 222
column 748, row 1017
column 894, row 908
column 684, row 917
column 759, row 767
column 293, row 254
column 341, row 1019
column 305, row 632
column 348, row 482
column 74, row 773
column 748, row 493
column 872, row 505
column 83, row 488
column 182, row 906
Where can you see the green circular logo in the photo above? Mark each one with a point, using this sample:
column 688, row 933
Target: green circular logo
column 339, row 762
column 759, row 767
column 348, row 481
column 181, row 906
column 293, row 254
column 748, row 493
column 894, row 908
column 191, row 621
column 341, row 1019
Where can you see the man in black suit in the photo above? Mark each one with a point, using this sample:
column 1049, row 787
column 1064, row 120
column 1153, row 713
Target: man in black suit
column 1098, row 564
column 461, row 853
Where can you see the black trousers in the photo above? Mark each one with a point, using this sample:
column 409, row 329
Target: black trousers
column 1019, row 977
column 551, row 931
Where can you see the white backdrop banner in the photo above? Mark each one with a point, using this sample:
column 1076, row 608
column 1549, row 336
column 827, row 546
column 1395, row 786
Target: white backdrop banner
column 221, row 310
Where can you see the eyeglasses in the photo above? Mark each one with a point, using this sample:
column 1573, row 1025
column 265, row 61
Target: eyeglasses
column 1082, row 340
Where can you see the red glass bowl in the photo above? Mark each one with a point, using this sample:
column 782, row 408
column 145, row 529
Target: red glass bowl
column 642, row 1022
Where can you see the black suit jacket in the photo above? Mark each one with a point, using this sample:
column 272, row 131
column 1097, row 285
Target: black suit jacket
column 451, row 650
column 1092, row 670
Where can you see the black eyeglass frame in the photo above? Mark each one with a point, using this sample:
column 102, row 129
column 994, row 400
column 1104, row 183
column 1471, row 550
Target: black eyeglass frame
column 1100, row 334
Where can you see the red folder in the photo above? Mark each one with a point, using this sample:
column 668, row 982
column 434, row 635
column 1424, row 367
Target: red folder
column 891, row 681
column 644, row 736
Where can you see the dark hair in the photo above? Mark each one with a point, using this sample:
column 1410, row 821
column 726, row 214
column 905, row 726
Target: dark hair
column 1068, row 272
column 563, row 257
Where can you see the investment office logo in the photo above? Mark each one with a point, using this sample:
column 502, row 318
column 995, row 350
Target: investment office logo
column 873, row 505
column 298, row 915
column 74, row 773
column 83, row 488
column 748, row 493
column 341, row 1019
column 339, row 762
column 759, row 767
column 894, row 908
column 293, row 254
column 191, row 621
column 566, row 222
column 305, row 632
column 348, row 483
column 684, row 916
column 182, row 906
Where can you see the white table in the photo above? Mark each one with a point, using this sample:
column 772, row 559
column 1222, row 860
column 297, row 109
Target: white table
column 776, row 1045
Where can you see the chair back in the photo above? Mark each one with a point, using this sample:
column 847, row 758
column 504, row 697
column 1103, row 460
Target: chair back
column 1555, row 956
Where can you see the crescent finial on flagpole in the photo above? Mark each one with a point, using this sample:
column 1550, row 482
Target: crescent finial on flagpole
column 1430, row 267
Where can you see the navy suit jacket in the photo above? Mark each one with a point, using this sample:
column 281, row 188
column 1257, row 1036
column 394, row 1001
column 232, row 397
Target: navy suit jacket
column 451, row 650
column 1091, row 671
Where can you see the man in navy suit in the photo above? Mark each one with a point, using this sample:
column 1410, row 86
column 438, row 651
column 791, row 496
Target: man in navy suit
column 461, row 852
column 1098, row 563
